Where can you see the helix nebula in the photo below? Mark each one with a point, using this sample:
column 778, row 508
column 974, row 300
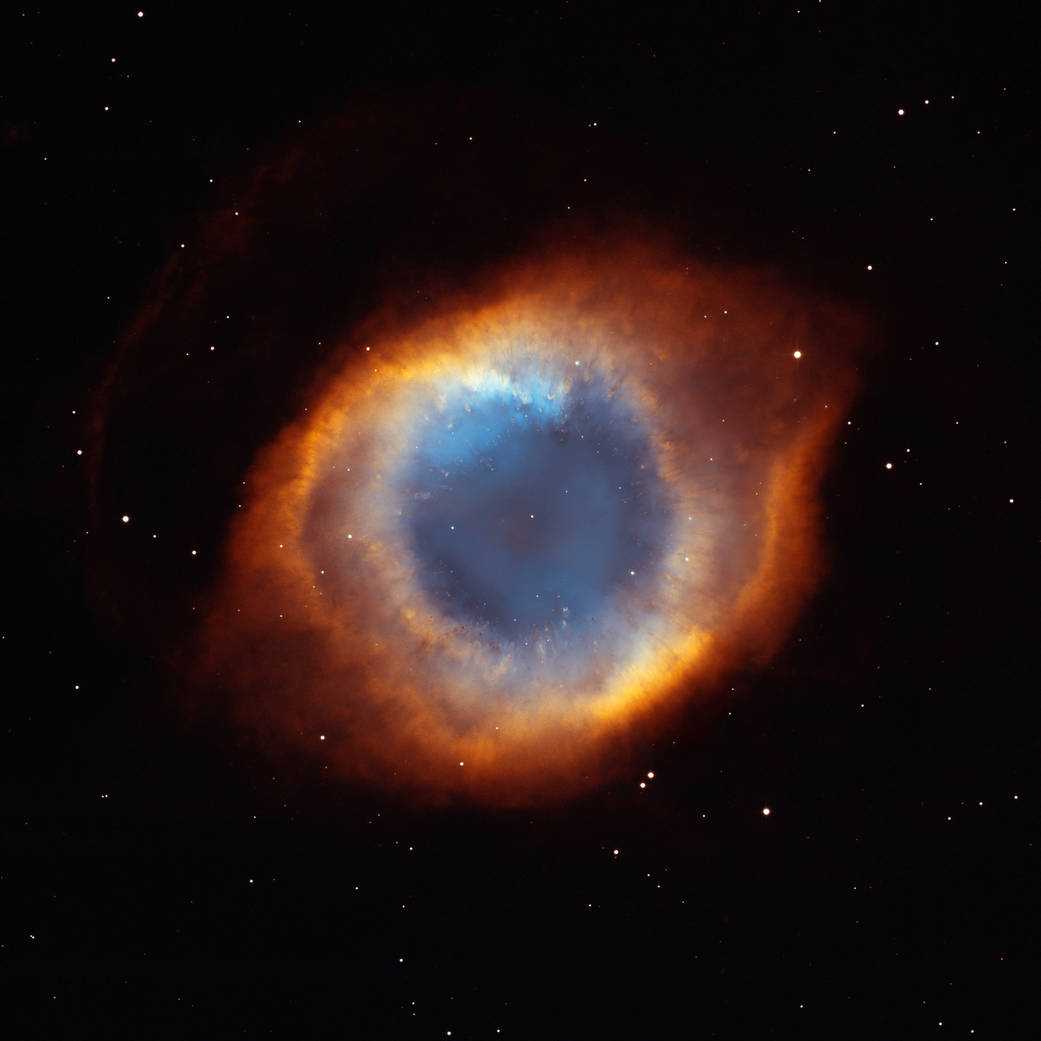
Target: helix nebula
column 505, row 531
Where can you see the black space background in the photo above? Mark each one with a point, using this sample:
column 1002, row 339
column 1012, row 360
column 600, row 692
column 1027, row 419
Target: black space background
column 893, row 890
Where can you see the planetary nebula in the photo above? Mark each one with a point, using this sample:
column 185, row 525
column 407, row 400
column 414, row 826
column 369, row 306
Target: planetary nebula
column 510, row 527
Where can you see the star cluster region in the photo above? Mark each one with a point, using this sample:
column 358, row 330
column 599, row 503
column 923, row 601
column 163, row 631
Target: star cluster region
column 334, row 713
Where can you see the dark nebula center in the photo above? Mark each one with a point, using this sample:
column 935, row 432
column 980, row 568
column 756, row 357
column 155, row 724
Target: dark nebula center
column 524, row 525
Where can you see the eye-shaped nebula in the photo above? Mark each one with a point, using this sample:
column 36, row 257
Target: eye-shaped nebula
column 500, row 533
column 513, row 524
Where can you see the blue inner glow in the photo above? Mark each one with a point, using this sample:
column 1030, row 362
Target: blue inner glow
column 533, row 511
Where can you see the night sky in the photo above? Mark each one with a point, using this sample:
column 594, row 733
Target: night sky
column 224, row 819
